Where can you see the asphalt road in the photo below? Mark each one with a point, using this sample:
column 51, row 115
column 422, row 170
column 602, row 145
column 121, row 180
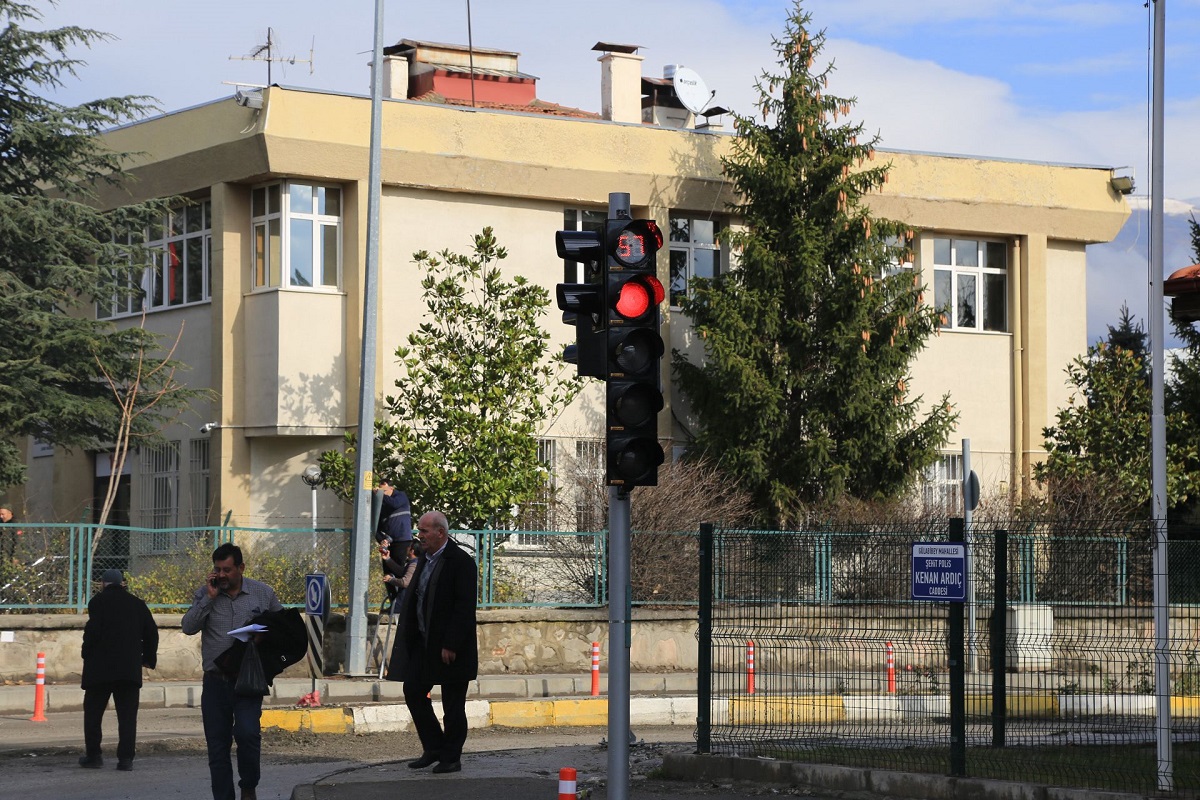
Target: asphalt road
column 38, row 762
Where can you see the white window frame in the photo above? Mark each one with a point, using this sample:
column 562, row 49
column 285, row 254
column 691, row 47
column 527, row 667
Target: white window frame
column 199, row 483
column 684, row 254
column 941, row 484
column 966, row 265
column 159, row 481
column 275, row 219
column 589, row 468
column 541, row 508
column 180, row 243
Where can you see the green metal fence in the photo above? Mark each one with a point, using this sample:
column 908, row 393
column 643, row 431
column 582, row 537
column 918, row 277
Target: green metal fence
column 1055, row 658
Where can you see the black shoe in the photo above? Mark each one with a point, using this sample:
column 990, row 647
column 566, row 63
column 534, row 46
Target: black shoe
column 91, row 762
column 448, row 766
column 125, row 764
column 424, row 761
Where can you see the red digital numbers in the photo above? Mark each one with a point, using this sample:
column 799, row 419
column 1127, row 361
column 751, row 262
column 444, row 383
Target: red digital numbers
column 631, row 247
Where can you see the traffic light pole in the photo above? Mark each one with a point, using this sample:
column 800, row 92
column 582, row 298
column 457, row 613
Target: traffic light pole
column 619, row 636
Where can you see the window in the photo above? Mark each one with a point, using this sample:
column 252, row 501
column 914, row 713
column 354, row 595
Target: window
column 296, row 236
column 198, row 482
column 160, row 492
column 581, row 220
column 590, row 508
column 695, row 253
column 941, row 487
column 538, row 515
column 176, row 264
column 970, row 283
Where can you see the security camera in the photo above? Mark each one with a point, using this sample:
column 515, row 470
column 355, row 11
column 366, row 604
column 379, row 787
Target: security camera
column 208, row 427
column 248, row 99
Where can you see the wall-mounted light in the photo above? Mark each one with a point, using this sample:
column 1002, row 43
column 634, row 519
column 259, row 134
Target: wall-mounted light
column 1122, row 183
column 209, row 427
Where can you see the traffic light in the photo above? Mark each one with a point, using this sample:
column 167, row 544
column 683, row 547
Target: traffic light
column 633, row 351
column 582, row 304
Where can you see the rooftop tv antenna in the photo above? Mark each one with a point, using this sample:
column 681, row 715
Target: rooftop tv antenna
column 266, row 52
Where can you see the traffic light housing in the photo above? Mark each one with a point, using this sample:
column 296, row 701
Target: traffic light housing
column 582, row 304
column 633, row 351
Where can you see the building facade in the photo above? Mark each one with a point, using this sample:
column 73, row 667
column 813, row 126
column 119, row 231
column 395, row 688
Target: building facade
column 263, row 272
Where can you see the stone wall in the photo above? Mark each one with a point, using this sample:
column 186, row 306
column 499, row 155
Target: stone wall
column 511, row 641
column 559, row 641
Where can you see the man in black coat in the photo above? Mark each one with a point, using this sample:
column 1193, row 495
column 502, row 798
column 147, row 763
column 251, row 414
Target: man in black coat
column 120, row 638
column 436, row 644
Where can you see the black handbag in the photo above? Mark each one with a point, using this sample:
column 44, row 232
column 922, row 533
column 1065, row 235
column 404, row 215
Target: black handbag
column 251, row 680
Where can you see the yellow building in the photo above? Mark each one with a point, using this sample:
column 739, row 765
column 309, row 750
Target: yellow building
column 265, row 272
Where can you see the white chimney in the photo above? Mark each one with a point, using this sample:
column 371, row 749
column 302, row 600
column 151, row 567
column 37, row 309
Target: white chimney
column 395, row 77
column 621, row 87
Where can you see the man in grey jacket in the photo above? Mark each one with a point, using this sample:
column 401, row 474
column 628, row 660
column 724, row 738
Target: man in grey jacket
column 225, row 602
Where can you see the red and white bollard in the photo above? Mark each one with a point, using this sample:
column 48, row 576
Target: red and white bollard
column 39, row 692
column 750, row 667
column 891, row 669
column 566, row 784
column 595, row 669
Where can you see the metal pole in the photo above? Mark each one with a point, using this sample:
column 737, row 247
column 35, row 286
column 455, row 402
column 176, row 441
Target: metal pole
column 1158, row 428
column 954, row 658
column 314, row 526
column 618, row 644
column 360, row 538
column 972, row 666
column 999, row 632
column 704, row 643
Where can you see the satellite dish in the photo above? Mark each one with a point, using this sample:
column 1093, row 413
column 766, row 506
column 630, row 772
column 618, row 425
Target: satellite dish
column 691, row 89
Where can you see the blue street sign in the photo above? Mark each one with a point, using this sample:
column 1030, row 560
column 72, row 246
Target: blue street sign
column 939, row 571
column 316, row 595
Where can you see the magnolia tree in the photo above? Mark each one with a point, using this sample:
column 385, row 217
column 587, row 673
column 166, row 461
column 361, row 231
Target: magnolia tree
column 460, row 433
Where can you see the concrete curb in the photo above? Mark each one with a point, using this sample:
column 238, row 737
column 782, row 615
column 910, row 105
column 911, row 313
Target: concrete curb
column 890, row 783
column 570, row 712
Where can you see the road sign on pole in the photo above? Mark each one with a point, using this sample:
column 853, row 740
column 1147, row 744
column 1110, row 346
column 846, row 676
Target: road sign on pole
column 939, row 571
column 316, row 595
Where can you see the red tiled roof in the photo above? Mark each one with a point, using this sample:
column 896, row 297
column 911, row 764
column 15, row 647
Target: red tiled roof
column 536, row 107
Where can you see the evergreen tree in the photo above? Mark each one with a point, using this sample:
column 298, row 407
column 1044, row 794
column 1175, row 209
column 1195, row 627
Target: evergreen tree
column 57, row 252
column 461, row 433
column 803, row 391
column 1102, row 438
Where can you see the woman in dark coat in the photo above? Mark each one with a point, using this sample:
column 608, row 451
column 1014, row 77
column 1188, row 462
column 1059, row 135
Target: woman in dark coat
column 120, row 638
column 436, row 643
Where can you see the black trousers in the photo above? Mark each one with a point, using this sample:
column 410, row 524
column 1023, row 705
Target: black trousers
column 125, row 695
column 446, row 744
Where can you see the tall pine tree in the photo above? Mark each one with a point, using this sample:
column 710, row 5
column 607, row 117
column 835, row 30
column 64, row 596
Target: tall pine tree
column 803, row 391
column 57, row 253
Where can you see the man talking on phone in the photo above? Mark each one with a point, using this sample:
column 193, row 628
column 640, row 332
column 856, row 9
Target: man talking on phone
column 225, row 602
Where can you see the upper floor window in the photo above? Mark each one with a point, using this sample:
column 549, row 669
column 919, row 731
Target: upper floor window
column 177, row 259
column 970, row 283
column 296, row 235
column 695, row 253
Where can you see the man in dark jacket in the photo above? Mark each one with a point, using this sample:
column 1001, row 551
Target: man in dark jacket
column 436, row 644
column 120, row 638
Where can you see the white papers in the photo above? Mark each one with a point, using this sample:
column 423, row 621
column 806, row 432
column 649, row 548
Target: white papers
column 243, row 634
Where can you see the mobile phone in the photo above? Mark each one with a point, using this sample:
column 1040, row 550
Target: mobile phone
column 212, row 582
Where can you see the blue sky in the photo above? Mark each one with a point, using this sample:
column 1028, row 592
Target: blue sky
column 1035, row 80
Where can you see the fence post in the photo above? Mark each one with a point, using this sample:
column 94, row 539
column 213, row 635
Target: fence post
column 999, row 639
column 891, row 669
column 956, row 652
column 704, row 643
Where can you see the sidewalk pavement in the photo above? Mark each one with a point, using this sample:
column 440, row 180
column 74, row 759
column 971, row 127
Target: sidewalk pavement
column 367, row 705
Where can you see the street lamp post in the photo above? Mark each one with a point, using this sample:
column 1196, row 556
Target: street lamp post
column 312, row 476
